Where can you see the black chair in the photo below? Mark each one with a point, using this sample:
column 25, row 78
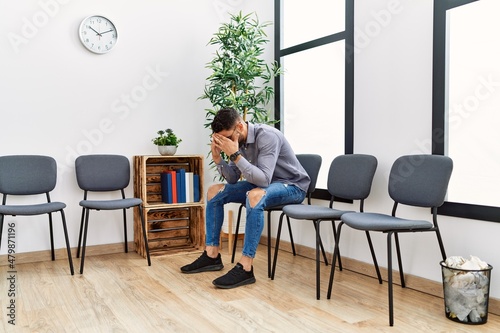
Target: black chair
column 415, row 180
column 312, row 164
column 105, row 173
column 30, row 175
column 350, row 177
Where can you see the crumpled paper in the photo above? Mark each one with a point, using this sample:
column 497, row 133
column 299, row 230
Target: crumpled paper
column 466, row 288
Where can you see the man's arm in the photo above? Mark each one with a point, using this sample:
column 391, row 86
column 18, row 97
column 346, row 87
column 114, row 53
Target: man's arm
column 230, row 174
column 268, row 147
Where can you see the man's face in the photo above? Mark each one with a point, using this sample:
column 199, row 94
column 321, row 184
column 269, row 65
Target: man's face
column 231, row 133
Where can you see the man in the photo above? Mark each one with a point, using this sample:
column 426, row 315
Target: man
column 272, row 176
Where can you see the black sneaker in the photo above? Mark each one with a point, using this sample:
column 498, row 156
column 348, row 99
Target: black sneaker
column 204, row 264
column 235, row 278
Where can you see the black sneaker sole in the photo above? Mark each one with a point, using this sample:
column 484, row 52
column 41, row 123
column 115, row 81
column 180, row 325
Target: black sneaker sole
column 239, row 284
column 210, row 268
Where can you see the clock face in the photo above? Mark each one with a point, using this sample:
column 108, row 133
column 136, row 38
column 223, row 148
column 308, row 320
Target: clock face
column 98, row 34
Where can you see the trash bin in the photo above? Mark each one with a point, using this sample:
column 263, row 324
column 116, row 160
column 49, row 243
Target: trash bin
column 466, row 294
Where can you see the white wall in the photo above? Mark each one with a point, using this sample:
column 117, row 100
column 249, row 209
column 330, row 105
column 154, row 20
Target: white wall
column 55, row 94
column 61, row 100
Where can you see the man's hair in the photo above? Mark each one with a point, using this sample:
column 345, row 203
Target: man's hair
column 225, row 119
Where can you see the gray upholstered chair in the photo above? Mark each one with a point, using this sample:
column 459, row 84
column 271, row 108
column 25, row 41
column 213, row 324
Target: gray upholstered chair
column 31, row 175
column 312, row 164
column 105, row 173
column 350, row 177
column 414, row 180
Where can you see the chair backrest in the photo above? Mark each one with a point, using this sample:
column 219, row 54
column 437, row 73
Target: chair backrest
column 350, row 176
column 420, row 180
column 312, row 164
column 102, row 172
column 27, row 174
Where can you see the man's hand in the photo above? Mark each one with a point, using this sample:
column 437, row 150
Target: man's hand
column 227, row 145
column 215, row 151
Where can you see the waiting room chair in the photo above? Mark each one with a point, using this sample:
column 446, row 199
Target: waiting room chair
column 350, row 177
column 414, row 180
column 312, row 164
column 31, row 175
column 105, row 173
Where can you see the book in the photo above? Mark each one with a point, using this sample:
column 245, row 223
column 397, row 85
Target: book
column 189, row 187
column 173, row 185
column 181, row 185
column 196, row 188
column 166, row 187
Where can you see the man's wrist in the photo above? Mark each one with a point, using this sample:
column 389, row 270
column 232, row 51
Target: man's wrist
column 234, row 156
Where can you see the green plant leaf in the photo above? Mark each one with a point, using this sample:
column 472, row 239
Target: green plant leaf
column 240, row 78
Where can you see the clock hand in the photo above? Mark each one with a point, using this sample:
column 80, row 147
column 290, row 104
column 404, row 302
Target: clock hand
column 102, row 33
column 98, row 34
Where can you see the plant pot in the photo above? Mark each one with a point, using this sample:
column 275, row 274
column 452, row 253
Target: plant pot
column 167, row 150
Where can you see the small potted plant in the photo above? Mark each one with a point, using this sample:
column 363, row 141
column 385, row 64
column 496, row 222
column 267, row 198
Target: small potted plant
column 167, row 142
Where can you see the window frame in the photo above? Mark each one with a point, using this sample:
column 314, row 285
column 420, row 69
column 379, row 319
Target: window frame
column 439, row 102
column 348, row 36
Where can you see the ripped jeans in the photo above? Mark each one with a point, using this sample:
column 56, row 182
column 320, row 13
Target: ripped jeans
column 275, row 194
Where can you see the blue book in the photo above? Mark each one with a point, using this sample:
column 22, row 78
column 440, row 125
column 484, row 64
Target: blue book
column 166, row 187
column 181, row 185
column 196, row 188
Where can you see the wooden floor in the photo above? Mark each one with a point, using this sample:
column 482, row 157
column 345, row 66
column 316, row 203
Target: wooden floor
column 120, row 293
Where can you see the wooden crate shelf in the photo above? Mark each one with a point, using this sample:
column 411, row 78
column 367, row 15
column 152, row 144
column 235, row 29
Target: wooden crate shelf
column 171, row 228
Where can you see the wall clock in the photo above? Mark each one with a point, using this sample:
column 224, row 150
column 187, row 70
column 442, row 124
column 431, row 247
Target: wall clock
column 98, row 34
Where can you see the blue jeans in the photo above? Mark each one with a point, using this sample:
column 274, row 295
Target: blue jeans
column 276, row 194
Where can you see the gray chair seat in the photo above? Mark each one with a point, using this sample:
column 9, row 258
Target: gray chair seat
column 381, row 222
column 350, row 177
column 37, row 209
column 31, row 176
column 105, row 173
column 110, row 204
column 313, row 212
column 311, row 164
column 414, row 180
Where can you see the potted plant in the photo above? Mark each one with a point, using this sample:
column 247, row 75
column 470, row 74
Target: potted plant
column 240, row 78
column 167, row 142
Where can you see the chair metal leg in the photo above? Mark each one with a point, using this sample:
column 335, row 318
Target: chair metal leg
column 336, row 254
column 125, row 229
column 321, row 245
column 400, row 262
column 82, row 261
column 441, row 245
column 68, row 248
column 375, row 263
column 236, row 232
column 269, row 244
column 277, row 246
column 51, row 231
column 318, row 241
column 438, row 233
column 80, row 234
column 291, row 236
column 144, row 230
column 1, row 229
column 389, row 278
column 335, row 237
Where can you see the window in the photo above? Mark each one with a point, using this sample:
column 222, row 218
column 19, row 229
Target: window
column 314, row 97
column 466, row 98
